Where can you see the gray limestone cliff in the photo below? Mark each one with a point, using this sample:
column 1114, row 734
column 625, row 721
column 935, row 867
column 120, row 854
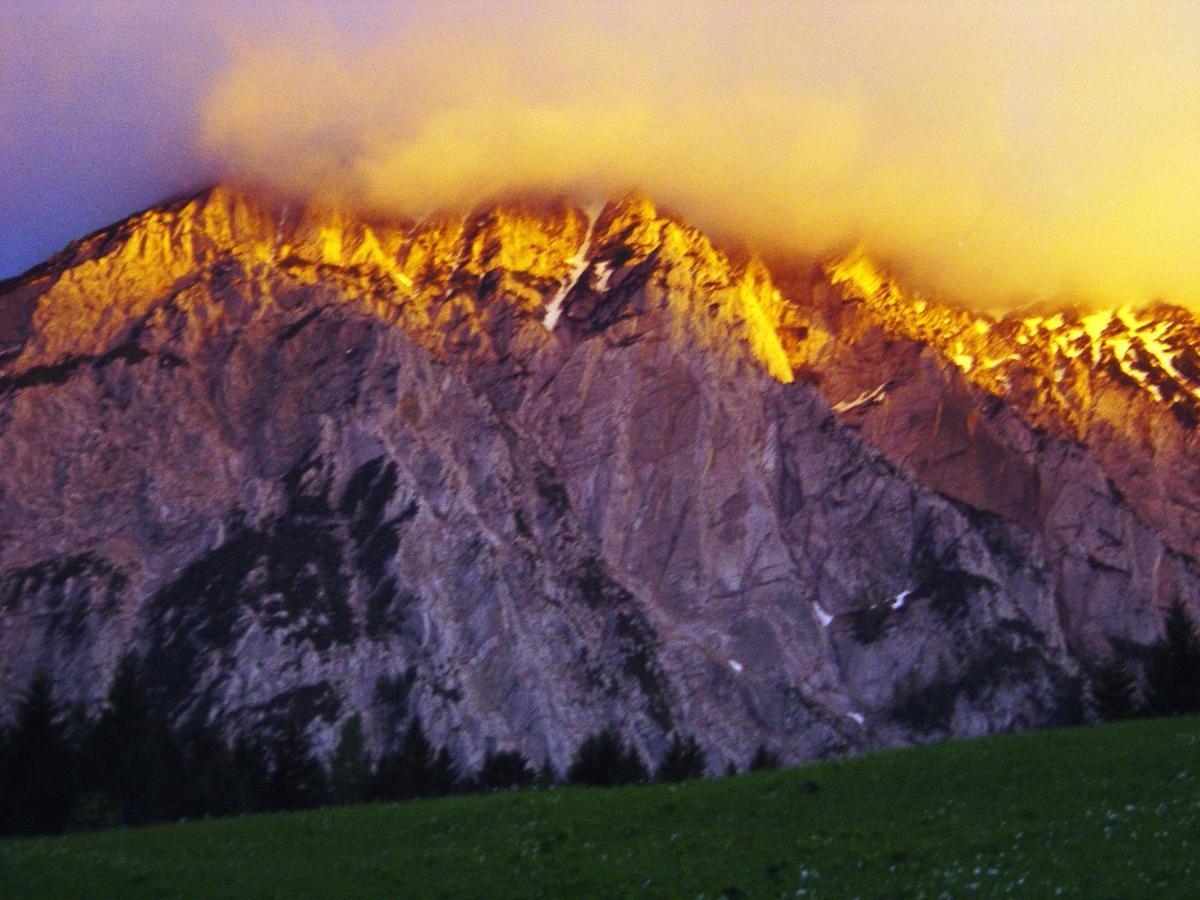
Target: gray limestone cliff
column 529, row 473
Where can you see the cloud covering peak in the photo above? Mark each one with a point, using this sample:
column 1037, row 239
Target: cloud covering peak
column 992, row 151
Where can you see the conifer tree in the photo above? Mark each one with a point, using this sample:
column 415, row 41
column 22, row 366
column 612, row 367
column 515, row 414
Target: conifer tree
column 763, row 759
column 603, row 759
column 633, row 770
column 408, row 771
column 5, row 768
column 1173, row 674
column 350, row 768
column 1114, row 691
column 251, row 773
column 213, row 782
column 133, row 761
column 443, row 774
column 505, row 769
column 597, row 760
column 41, row 786
column 683, row 761
column 416, row 761
column 385, row 784
column 297, row 779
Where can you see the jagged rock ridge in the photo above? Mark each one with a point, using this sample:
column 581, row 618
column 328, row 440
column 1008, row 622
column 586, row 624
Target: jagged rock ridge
column 310, row 464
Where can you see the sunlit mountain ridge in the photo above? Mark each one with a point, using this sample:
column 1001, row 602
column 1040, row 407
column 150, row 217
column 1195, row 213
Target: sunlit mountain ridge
column 540, row 468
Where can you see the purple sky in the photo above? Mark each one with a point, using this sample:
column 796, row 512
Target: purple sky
column 100, row 103
column 92, row 126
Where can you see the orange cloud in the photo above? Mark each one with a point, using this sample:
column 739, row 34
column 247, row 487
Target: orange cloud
column 995, row 151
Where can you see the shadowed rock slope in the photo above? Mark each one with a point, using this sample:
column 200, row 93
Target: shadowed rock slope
column 310, row 464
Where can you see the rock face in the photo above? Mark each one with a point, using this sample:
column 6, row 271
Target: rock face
column 309, row 464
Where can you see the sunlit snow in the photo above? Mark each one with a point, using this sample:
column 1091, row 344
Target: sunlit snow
column 866, row 398
column 578, row 267
column 603, row 272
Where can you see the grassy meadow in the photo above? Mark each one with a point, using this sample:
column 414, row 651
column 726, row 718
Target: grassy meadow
column 1104, row 811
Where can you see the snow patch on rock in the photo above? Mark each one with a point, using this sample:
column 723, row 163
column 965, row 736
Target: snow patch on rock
column 578, row 267
column 601, row 275
column 866, row 398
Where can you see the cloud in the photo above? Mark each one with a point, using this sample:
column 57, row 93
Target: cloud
column 991, row 151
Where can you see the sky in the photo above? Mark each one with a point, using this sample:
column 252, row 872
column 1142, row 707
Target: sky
column 995, row 152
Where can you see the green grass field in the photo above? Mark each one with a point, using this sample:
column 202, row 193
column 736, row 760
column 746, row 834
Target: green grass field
column 1108, row 811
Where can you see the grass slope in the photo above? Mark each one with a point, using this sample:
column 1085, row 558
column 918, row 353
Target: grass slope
column 1108, row 811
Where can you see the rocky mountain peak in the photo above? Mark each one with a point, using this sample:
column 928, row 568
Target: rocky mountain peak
column 433, row 277
column 535, row 470
column 1121, row 381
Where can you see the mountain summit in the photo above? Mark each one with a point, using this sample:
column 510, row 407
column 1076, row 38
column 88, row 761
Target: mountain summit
column 536, row 471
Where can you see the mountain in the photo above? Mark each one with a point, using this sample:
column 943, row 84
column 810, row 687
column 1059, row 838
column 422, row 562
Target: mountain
column 535, row 471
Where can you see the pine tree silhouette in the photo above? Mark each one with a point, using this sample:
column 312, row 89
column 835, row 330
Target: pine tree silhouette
column 597, row 760
column 297, row 779
column 504, row 769
column 633, row 769
column 416, row 761
column 443, row 774
column 41, row 787
column 683, row 761
column 1173, row 673
column 763, row 759
column 408, row 771
column 350, row 768
column 603, row 759
column 1114, row 691
column 213, row 783
column 133, row 761
column 6, row 773
column 252, row 774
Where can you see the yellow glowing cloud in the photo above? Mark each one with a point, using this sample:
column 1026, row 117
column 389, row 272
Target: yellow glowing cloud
column 994, row 151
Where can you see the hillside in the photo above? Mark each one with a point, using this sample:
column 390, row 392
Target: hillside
column 1105, row 811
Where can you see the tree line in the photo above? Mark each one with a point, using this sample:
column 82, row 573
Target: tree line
column 1170, row 675
column 61, row 770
